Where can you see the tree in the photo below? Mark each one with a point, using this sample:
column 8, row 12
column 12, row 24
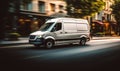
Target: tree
column 116, row 13
column 116, row 10
column 81, row 8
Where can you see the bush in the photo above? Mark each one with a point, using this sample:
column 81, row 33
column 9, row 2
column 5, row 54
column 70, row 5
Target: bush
column 13, row 36
column 99, row 34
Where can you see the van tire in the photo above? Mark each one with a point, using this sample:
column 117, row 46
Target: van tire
column 82, row 41
column 49, row 43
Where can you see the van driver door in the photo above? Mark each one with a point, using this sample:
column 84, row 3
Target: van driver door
column 57, row 31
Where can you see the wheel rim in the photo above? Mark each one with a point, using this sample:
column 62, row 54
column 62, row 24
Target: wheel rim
column 49, row 44
column 83, row 41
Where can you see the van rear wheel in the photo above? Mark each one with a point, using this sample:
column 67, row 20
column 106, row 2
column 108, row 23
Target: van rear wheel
column 82, row 41
column 49, row 44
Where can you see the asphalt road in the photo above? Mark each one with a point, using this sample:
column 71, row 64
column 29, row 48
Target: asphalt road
column 97, row 55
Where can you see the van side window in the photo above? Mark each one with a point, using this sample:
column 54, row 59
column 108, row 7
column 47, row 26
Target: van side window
column 57, row 27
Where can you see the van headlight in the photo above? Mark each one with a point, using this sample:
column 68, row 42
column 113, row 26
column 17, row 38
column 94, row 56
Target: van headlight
column 39, row 36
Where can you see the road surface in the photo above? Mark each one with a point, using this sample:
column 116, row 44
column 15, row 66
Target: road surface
column 97, row 55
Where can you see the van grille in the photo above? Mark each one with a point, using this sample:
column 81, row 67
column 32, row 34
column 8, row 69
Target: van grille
column 32, row 36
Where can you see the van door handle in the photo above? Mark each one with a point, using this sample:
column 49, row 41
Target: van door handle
column 60, row 32
column 65, row 32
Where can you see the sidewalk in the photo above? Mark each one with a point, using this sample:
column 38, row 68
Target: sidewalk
column 21, row 40
column 24, row 40
column 105, row 37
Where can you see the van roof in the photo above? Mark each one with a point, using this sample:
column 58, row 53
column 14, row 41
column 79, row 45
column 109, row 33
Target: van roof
column 67, row 20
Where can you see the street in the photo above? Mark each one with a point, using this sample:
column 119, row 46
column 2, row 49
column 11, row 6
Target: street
column 97, row 55
column 47, row 22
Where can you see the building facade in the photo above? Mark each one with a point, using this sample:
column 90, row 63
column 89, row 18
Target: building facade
column 44, row 6
column 103, row 20
column 34, row 13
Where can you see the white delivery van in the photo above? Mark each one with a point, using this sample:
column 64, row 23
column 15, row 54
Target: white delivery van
column 61, row 31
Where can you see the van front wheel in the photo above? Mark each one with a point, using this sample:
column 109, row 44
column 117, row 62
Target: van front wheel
column 82, row 41
column 49, row 44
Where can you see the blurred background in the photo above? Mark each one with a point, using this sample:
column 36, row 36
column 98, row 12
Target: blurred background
column 18, row 18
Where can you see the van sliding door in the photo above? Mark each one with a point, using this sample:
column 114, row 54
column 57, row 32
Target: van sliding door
column 70, row 31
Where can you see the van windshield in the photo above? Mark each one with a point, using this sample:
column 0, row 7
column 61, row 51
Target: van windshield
column 46, row 26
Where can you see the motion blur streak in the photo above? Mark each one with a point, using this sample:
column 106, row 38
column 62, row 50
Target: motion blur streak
column 78, row 50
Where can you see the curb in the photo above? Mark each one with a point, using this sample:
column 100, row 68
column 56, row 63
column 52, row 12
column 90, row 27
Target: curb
column 20, row 41
column 1, row 45
column 9, row 43
column 100, row 38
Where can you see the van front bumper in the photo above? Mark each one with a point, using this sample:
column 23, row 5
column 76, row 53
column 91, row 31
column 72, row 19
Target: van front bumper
column 39, row 41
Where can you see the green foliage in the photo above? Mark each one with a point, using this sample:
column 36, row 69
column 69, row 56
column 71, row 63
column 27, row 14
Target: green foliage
column 81, row 8
column 13, row 36
column 100, row 34
column 116, row 10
